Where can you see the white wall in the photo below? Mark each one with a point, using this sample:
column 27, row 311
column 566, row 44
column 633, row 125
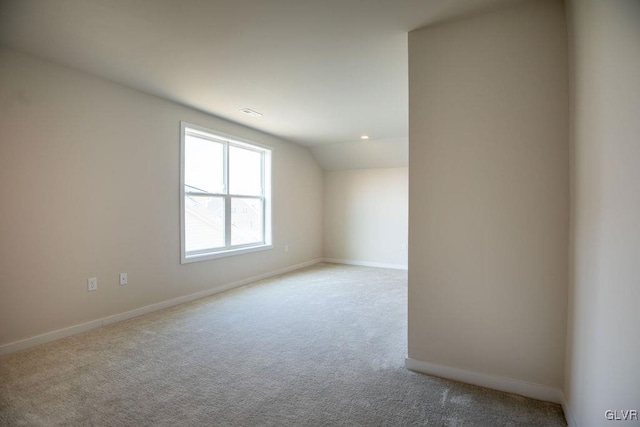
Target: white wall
column 89, row 187
column 365, row 216
column 488, row 191
column 603, row 357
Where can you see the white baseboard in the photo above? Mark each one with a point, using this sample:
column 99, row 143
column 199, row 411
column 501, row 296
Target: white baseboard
column 365, row 263
column 568, row 414
column 76, row 329
column 523, row 388
column 49, row 336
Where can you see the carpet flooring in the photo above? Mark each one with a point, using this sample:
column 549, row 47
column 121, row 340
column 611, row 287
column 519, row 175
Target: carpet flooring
column 319, row 346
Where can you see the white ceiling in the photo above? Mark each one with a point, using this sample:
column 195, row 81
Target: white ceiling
column 321, row 72
column 372, row 154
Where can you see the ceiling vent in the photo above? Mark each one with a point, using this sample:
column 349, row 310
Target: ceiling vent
column 250, row 112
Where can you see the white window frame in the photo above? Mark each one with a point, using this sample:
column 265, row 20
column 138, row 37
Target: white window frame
column 265, row 197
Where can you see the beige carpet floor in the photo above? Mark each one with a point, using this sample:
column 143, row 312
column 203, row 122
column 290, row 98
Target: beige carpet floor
column 319, row 346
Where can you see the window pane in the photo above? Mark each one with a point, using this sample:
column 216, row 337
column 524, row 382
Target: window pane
column 245, row 172
column 246, row 221
column 203, row 222
column 203, row 165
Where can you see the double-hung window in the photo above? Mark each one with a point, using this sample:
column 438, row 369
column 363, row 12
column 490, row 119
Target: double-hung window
column 225, row 194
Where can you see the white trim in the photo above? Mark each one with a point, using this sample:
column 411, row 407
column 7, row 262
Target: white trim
column 365, row 263
column 225, row 253
column 227, row 141
column 216, row 135
column 49, row 336
column 83, row 327
column 523, row 388
column 267, row 195
column 568, row 414
column 183, row 247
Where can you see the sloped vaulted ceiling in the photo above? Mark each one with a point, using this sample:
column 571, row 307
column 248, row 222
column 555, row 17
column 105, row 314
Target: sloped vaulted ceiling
column 320, row 72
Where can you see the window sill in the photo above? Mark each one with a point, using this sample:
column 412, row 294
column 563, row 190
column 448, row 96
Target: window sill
column 222, row 254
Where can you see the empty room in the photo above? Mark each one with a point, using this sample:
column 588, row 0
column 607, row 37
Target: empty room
column 292, row 212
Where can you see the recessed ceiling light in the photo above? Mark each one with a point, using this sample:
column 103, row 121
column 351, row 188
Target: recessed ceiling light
column 364, row 137
column 250, row 112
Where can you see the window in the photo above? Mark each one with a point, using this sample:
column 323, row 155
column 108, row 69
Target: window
column 225, row 195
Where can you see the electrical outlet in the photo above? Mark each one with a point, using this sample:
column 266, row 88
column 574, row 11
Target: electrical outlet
column 123, row 278
column 92, row 284
column 286, row 248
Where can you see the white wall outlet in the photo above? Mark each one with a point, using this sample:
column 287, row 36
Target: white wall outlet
column 286, row 248
column 404, row 246
column 123, row 278
column 92, row 284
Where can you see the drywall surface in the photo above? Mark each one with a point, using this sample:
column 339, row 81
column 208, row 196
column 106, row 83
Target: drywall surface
column 370, row 154
column 603, row 368
column 489, row 193
column 90, row 187
column 365, row 216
